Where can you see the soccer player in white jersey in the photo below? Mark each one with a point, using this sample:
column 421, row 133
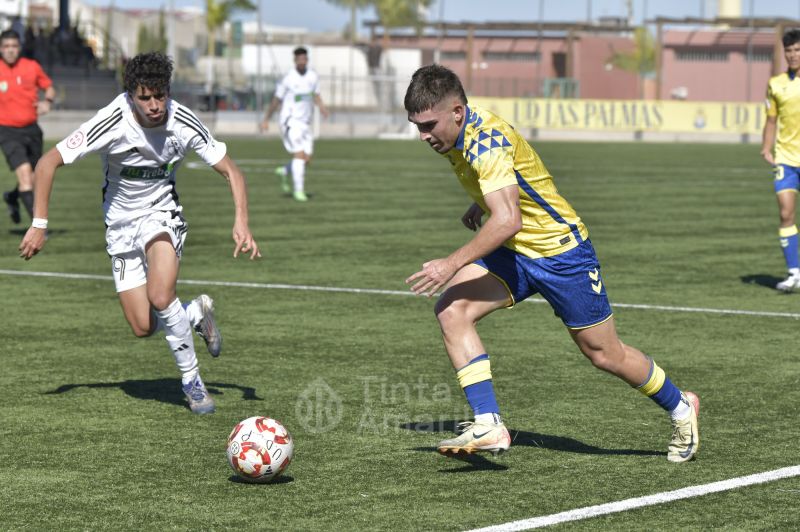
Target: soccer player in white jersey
column 296, row 95
column 142, row 137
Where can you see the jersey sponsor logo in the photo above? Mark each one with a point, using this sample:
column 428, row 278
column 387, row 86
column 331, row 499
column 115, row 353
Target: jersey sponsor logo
column 75, row 140
column 147, row 172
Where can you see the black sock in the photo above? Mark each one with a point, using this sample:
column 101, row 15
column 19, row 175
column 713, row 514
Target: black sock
column 13, row 195
column 27, row 200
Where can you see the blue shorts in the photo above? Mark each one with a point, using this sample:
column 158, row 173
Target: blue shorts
column 786, row 177
column 570, row 282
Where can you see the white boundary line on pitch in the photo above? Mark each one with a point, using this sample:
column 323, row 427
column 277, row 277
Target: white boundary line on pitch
column 280, row 286
column 640, row 502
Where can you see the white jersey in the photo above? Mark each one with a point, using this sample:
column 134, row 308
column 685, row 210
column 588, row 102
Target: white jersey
column 140, row 163
column 296, row 92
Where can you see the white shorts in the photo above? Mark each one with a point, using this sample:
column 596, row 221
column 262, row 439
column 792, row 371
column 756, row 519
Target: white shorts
column 297, row 136
column 127, row 245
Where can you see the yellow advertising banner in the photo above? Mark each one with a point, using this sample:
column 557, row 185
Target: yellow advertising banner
column 629, row 115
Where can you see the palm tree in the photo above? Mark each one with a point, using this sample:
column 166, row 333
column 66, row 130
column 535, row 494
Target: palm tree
column 642, row 60
column 391, row 13
column 218, row 12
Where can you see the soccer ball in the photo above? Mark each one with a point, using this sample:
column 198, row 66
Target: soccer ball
column 259, row 449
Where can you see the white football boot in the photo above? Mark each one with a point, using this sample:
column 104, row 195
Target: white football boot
column 200, row 400
column 789, row 284
column 207, row 326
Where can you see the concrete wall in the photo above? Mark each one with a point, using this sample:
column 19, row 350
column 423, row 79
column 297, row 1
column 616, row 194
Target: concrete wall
column 598, row 78
column 716, row 80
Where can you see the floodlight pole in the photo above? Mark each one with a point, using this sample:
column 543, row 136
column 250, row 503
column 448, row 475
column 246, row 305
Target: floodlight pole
column 259, row 80
column 63, row 17
column 750, row 35
column 750, row 54
column 539, row 82
column 349, row 97
column 171, row 44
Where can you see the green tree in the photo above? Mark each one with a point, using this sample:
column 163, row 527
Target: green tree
column 161, row 38
column 148, row 41
column 143, row 39
column 642, row 59
column 217, row 14
column 392, row 13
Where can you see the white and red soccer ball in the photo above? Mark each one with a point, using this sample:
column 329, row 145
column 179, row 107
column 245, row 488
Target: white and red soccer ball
column 259, row 449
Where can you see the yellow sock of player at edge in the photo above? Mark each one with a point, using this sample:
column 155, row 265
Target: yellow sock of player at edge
column 660, row 389
column 476, row 380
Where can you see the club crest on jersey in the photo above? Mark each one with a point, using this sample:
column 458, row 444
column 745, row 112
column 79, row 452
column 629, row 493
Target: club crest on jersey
column 174, row 146
column 3, row 86
column 75, row 140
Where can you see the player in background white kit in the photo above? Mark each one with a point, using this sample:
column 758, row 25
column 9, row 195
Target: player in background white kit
column 142, row 137
column 296, row 95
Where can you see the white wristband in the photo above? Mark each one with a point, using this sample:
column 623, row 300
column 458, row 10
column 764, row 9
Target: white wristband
column 39, row 223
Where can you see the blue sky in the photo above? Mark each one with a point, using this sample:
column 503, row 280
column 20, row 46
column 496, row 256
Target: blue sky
column 319, row 15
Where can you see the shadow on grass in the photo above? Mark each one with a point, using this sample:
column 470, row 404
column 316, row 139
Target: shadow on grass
column 283, row 479
column 473, row 462
column 762, row 279
column 20, row 231
column 533, row 439
column 163, row 390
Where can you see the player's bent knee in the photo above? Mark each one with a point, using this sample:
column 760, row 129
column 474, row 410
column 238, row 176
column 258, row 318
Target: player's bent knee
column 160, row 301
column 141, row 332
column 452, row 312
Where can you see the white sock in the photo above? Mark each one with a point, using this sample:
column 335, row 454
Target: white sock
column 681, row 411
column 488, row 419
column 299, row 174
column 794, row 271
column 179, row 337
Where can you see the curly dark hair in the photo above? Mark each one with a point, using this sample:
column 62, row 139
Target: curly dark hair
column 151, row 70
column 430, row 85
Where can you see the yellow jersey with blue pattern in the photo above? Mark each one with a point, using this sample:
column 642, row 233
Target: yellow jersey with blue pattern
column 783, row 101
column 489, row 155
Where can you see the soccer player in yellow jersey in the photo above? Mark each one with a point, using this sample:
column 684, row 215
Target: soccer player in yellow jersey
column 531, row 241
column 782, row 133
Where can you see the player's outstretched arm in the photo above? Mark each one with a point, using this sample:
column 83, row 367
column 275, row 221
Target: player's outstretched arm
column 273, row 106
column 43, row 176
column 245, row 243
column 504, row 222
column 321, row 105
